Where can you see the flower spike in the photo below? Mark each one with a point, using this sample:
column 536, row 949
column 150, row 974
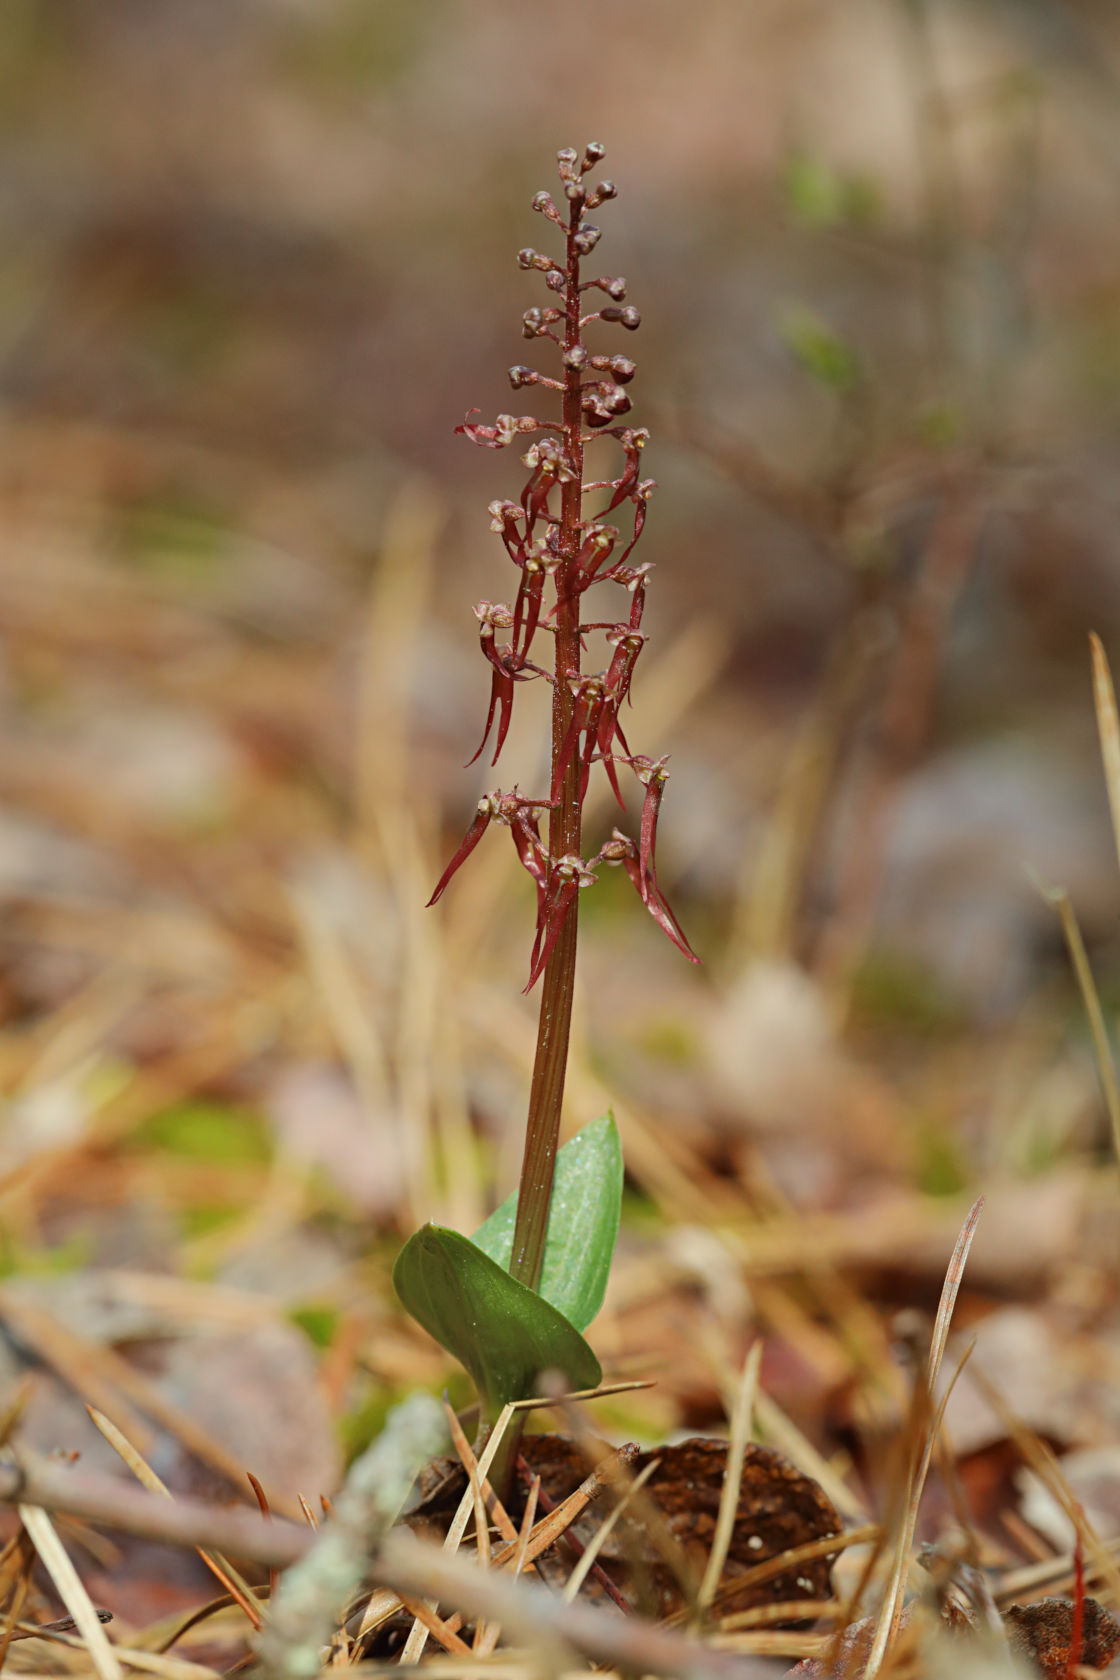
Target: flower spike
column 563, row 545
column 557, row 528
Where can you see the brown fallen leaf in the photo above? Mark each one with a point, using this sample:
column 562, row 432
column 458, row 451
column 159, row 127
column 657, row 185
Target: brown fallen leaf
column 852, row 1652
column 779, row 1508
column 1043, row 1632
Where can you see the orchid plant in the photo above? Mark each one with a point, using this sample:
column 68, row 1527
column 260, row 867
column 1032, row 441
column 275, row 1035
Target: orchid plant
column 513, row 1301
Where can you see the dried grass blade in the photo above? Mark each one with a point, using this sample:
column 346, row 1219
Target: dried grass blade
column 505, row 1524
column 145, row 1662
column 781, row 1431
column 262, row 1501
column 794, row 1610
column 192, row 1620
column 56, row 1562
column 782, row 1562
column 19, row 1593
column 1017, row 1583
column 1079, row 957
column 218, row 1566
column 766, row 1644
column 741, row 1415
column 1043, row 1462
column 1108, row 725
column 602, row 1534
column 891, row 1612
column 434, row 1624
column 482, row 1540
column 518, row 1563
column 486, row 1637
column 418, row 1638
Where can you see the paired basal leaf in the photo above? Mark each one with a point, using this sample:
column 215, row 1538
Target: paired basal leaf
column 504, row 1334
column 582, row 1226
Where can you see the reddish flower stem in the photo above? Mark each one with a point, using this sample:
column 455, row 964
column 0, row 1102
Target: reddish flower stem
column 546, row 1093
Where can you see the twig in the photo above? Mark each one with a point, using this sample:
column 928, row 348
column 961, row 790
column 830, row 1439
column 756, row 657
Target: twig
column 742, row 1413
column 1059, row 898
column 1108, row 725
column 114, row 1504
column 587, row 1561
column 219, row 1566
column 890, row 1614
column 628, row 1643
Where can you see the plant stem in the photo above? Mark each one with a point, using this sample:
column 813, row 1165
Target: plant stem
column 546, row 1093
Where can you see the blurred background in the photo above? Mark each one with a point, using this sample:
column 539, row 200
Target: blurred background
column 257, row 257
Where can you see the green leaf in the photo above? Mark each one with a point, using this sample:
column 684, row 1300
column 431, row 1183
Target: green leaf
column 582, row 1225
column 504, row 1334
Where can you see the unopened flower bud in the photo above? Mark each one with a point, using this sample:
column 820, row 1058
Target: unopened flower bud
column 610, row 398
column 521, row 375
column 566, row 161
column 628, row 317
column 596, row 411
column 528, row 258
column 623, row 369
column 508, row 425
column 617, row 849
column 555, row 280
column 576, row 357
column 542, row 202
column 594, row 153
column 586, row 240
column 575, row 192
column 613, row 284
